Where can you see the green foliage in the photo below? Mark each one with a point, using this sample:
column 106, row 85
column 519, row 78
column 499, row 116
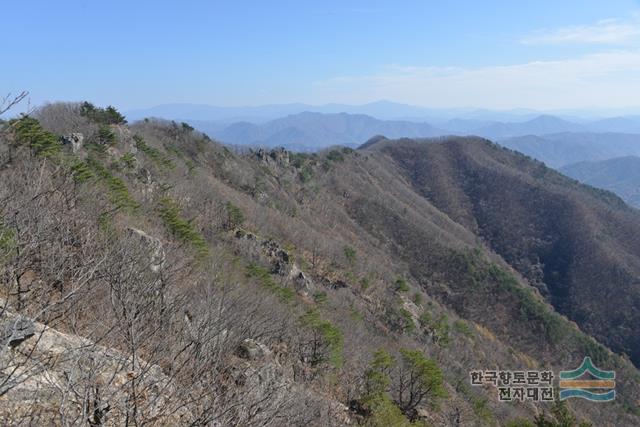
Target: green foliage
column 533, row 311
column 7, row 242
column 365, row 283
column 428, row 375
column 235, row 216
column 350, row 254
column 355, row 315
column 305, row 174
column 401, row 285
column 384, row 413
column 104, row 116
column 118, row 192
column 81, row 171
column 418, row 380
column 439, row 328
column 417, row 298
column 330, row 335
column 378, row 375
column 562, row 417
column 335, row 156
column 407, row 320
column 463, row 328
column 297, row 160
column 154, row 154
column 181, row 228
column 481, row 409
column 320, row 297
column 128, row 160
column 28, row 131
column 187, row 127
column 263, row 275
column 105, row 135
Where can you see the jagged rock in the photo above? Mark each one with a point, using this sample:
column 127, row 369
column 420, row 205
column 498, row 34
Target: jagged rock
column 302, row 283
column 242, row 234
column 145, row 176
column 157, row 254
column 276, row 156
column 76, row 139
column 338, row 284
column 16, row 330
column 40, row 378
column 252, row 350
column 280, row 155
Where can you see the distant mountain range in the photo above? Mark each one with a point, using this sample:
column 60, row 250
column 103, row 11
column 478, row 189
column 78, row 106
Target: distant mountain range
column 572, row 139
column 561, row 149
column 310, row 131
column 383, row 110
column 620, row 175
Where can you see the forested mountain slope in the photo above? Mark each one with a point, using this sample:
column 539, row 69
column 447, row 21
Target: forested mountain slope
column 620, row 175
column 278, row 288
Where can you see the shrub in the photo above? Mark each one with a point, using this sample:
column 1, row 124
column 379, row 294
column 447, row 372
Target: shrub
column 421, row 381
column 235, row 216
column 401, row 285
column 180, row 227
column 104, row 116
column 29, row 131
column 7, row 242
column 266, row 280
column 350, row 254
column 335, row 156
column 462, row 327
column 417, row 298
column 305, row 174
column 128, row 160
column 81, row 171
column 117, row 189
column 105, row 135
column 320, row 297
column 329, row 347
column 154, row 154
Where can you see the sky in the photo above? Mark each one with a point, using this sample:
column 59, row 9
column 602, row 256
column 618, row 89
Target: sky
column 491, row 54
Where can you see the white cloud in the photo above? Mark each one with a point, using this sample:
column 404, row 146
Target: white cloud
column 610, row 79
column 608, row 31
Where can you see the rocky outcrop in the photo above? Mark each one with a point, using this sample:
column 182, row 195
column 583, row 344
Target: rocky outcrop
column 156, row 250
column 75, row 139
column 278, row 156
column 251, row 349
column 51, row 378
column 281, row 261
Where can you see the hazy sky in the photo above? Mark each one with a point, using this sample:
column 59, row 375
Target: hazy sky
column 493, row 54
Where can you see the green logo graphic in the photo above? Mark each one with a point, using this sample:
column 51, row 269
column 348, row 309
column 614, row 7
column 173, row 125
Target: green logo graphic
column 603, row 381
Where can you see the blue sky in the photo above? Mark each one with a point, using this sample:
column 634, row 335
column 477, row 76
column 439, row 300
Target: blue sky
column 491, row 54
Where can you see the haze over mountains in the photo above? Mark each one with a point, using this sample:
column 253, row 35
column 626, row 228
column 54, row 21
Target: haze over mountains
column 620, row 175
column 302, row 126
column 559, row 139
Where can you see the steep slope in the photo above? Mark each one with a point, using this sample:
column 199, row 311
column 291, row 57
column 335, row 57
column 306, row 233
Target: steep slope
column 578, row 245
column 269, row 286
column 620, row 175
